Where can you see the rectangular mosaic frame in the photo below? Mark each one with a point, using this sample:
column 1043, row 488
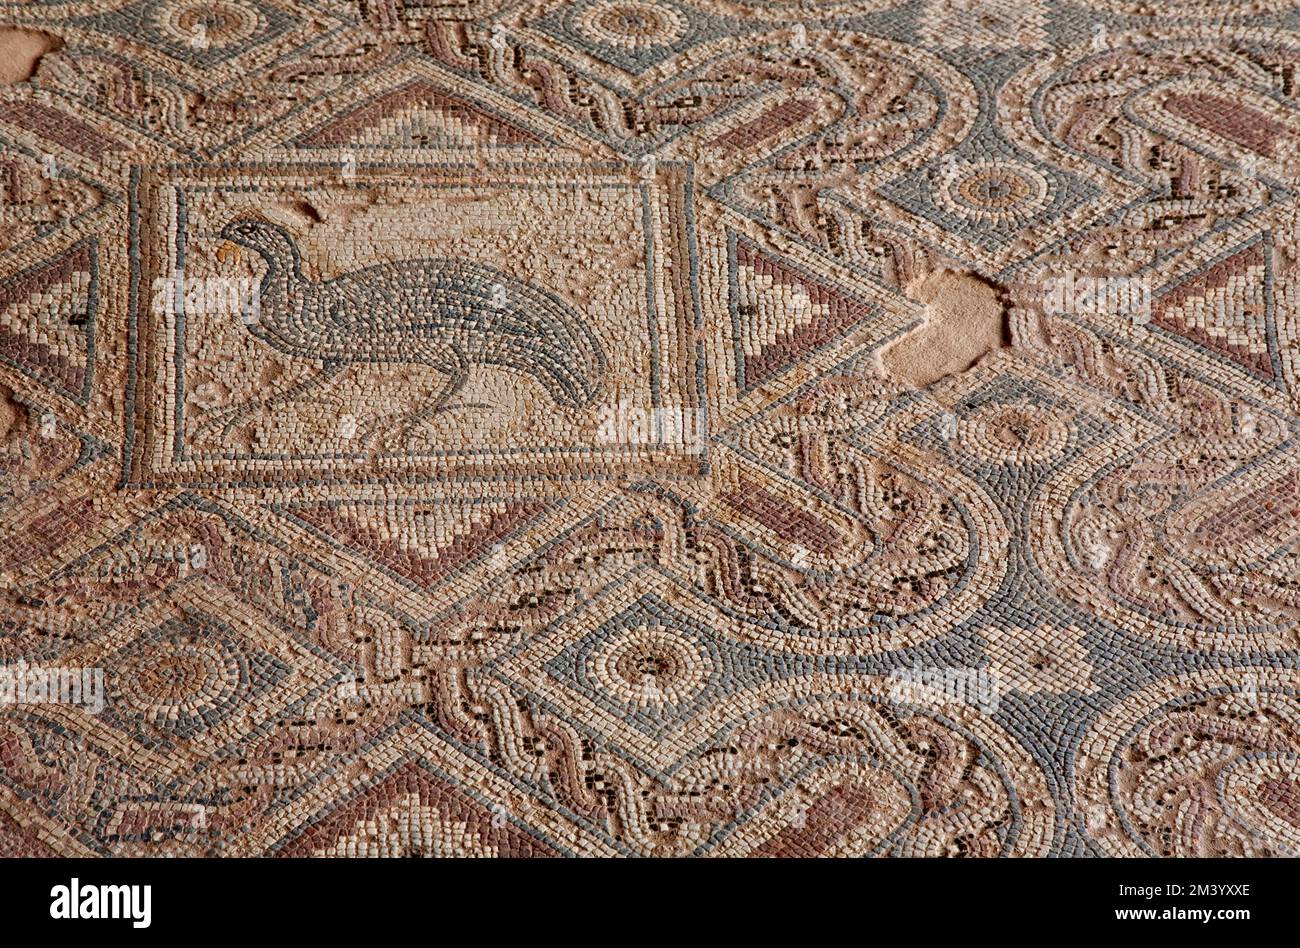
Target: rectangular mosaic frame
column 155, row 454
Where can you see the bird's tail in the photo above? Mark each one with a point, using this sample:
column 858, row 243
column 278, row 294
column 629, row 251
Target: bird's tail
column 571, row 363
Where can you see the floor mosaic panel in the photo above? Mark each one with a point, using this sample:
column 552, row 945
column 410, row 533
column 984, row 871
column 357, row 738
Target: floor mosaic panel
column 649, row 428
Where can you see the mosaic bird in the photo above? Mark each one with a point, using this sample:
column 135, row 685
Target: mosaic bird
column 448, row 315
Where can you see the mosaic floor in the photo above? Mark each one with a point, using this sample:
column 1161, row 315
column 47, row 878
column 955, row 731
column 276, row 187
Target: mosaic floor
column 649, row 427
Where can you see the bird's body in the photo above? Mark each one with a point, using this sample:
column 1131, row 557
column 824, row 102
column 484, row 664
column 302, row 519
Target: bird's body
column 444, row 314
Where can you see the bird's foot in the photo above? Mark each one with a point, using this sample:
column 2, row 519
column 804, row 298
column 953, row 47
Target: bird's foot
column 396, row 431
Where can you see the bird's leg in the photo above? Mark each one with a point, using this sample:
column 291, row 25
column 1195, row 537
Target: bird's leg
column 454, row 384
column 410, row 422
column 229, row 417
column 442, row 403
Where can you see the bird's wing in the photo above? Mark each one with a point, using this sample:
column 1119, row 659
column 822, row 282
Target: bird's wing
column 418, row 296
column 348, row 301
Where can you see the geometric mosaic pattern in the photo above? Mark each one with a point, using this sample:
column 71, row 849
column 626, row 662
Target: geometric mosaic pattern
column 462, row 429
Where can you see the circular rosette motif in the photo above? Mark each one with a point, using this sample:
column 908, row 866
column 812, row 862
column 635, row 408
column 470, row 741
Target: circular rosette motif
column 632, row 24
column 994, row 191
column 204, row 25
column 1015, row 434
column 1203, row 765
column 653, row 666
column 182, row 683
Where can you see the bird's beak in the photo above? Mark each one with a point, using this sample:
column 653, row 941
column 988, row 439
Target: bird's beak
column 228, row 251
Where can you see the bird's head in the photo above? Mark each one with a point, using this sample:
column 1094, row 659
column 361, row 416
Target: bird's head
column 270, row 241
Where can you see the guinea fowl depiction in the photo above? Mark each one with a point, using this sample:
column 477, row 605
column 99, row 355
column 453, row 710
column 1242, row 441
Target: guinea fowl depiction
column 444, row 314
